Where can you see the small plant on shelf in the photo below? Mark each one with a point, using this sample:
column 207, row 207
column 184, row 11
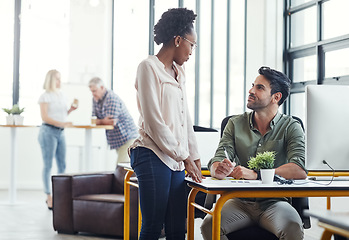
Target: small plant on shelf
column 7, row 110
column 263, row 160
column 16, row 110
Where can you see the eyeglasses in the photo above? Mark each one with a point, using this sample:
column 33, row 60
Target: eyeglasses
column 193, row 45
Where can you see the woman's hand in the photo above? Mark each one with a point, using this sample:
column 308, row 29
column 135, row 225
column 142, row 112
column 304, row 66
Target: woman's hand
column 192, row 169
column 72, row 108
column 67, row 124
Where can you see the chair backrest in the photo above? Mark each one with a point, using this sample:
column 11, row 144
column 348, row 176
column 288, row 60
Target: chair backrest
column 203, row 129
column 207, row 140
column 298, row 203
column 224, row 123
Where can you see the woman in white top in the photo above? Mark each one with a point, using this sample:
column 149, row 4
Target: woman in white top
column 53, row 107
column 166, row 145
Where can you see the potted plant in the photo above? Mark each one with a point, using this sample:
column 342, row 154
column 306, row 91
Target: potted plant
column 16, row 112
column 9, row 117
column 264, row 162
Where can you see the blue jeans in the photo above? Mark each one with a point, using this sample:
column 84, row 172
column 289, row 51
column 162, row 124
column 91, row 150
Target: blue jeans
column 162, row 196
column 52, row 143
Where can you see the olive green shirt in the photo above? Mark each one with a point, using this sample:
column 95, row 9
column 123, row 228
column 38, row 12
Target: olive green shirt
column 243, row 141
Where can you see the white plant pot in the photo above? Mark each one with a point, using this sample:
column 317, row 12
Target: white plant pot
column 18, row 119
column 9, row 120
column 267, row 175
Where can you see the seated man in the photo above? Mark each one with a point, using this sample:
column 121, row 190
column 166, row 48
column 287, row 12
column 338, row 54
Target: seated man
column 263, row 129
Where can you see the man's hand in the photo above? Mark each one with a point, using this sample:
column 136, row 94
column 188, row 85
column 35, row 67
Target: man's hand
column 222, row 169
column 192, row 169
column 107, row 121
column 242, row 172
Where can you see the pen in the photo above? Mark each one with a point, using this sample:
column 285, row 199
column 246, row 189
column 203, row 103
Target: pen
column 226, row 154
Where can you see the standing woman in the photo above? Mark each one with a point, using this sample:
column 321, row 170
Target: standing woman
column 166, row 145
column 53, row 108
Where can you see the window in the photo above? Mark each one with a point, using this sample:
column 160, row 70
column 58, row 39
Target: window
column 317, row 43
column 210, row 67
column 304, row 69
column 131, row 26
column 334, row 67
column 73, row 37
column 335, row 18
column 303, row 27
column 45, row 35
column 6, row 56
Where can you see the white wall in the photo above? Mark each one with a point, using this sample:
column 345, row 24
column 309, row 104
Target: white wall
column 90, row 56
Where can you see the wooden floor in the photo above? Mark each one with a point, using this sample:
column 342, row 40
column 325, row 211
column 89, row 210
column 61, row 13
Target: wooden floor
column 29, row 219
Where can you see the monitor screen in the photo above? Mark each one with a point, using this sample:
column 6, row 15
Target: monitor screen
column 207, row 145
column 327, row 128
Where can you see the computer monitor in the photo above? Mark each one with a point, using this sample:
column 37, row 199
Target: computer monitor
column 207, row 145
column 327, row 128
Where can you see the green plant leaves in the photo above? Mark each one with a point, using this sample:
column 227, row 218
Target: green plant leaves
column 263, row 160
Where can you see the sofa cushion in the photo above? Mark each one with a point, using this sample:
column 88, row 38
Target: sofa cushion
column 92, row 184
column 99, row 217
column 102, row 198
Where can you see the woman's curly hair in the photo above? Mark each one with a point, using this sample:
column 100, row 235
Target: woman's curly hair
column 174, row 22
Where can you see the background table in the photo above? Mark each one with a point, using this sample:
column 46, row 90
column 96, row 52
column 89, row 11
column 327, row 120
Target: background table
column 88, row 142
column 13, row 160
column 332, row 222
column 13, row 151
column 253, row 188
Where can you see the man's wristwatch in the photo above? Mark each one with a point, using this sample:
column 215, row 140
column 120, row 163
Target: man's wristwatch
column 258, row 174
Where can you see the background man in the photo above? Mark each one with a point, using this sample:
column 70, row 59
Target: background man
column 263, row 129
column 111, row 110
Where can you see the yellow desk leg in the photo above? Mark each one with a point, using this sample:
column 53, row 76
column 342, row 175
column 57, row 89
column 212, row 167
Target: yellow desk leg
column 216, row 216
column 326, row 235
column 328, row 203
column 127, row 205
column 330, row 230
column 191, row 212
column 139, row 218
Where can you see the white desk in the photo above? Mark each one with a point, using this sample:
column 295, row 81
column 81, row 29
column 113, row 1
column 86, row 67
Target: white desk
column 13, row 152
column 13, row 160
column 236, row 188
column 88, row 142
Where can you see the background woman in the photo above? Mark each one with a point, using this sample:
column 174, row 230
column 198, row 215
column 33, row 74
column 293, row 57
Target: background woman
column 53, row 108
column 166, row 145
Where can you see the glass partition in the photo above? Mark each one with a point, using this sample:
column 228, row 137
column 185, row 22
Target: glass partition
column 6, row 56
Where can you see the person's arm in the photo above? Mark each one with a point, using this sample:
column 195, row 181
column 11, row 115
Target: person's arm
column 219, row 166
column 109, row 119
column 48, row 120
column 149, row 94
column 71, row 109
column 291, row 171
column 295, row 168
column 193, row 162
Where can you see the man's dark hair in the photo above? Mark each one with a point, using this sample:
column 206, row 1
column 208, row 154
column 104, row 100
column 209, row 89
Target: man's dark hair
column 174, row 22
column 279, row 82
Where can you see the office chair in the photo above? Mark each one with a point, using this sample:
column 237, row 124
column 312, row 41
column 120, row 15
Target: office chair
column 256, row 232
column 200, row 197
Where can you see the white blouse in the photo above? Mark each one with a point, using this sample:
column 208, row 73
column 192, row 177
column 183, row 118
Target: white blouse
column 165, row 125
column 57, row 105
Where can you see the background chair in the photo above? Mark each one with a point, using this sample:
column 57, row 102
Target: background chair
column 200, row 197
column 256, row 232
column 93, row 203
